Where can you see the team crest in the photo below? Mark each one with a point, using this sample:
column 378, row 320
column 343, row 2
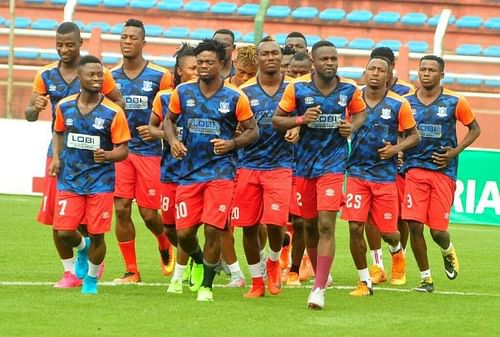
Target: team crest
column 98, row 123
column 329, row 192
column 254, row 102
column 442, row 111
column 309, row 100
column 119, row 85
column 147, row 85
column 190, row 102
column 52, row 87
column 69, row 122
column 386, row 113
column 342, row 100
column 413, row 112
column 224, row 107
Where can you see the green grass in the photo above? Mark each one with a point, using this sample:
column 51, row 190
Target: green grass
column 467, row 306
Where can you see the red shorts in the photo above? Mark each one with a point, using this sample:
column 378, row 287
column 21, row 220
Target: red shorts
column 46, row 213
column 294, row 207
column 262, row 197
column 380, row 200
column 400, row 184
column 429, row 197
column 72, row 209
column 138, row 177
column 167, row 194
column 206, row 203
column 319, row 194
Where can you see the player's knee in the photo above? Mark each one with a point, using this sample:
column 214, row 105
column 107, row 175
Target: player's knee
column 356, row 229
column 65, row 235
column 438, row 236
column 171, row 234
column 212, row 234
column 326, row 228
column 416, row 228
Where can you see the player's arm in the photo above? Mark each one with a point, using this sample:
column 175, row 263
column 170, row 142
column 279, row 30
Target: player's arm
column 57, row 142
column 177, row 149
column 282, row 120
column 38, row 101
column 156, row 127
column 110, row 89
column 119, row 153
column 116, row 96
column 249, row 133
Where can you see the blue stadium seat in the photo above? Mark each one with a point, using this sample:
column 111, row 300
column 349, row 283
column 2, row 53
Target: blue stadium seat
column 201, row 33
column 338, row 41
column 175, row 32
column 117, row 29
column 469, row 21
column 469, row 81
column 34, row 1
column 359, row 16
column 237, row 35
column 332, row 14
column 166, row 63
column 417, row 46
column 111, row 60
column 249, row 38
column 433, row 21
column 312, row 39
column 387, row 18
column 305, row 13
column 278, row 11
column 413, row 77
column 2, row 20
column 89, row 3
column 104, row 26
column 142, row 4
column 115, row 3
column 45, row 24
column 4, row 51
column 414, row 19
column 395, row 45
column 492, row 83
column 469, row 49
column 80, row 24
column 224, row 8
column 448, row 80
column 361, row 43
column 19, row 22
column 492, row 23
column 197, row 6
column 170, row 5
column 58, row 2
column 26, row 54
column 153, row 30
column 493, row 51
column 352, row 74
column 248, row 9
column 280, row 38
column 49, row 55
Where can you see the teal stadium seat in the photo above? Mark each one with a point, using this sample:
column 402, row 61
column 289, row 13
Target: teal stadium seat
column 115, row 3
column 248, row 9
column 104, row 26
column 26, row 54
column 34, row 1
column 44, row 24
column 142, row 4
column 170, row 5
column 414, row 19
column 361, row 43
column 469, row 49
column 492, row 51
column 359, row 16
column 469, row 21
column 227, row 8
column 20, row 22
column 413, row 77
column 249, row 38
column 417, row 46
column 447, row 80
column 305, row 13
column 395, row 45
column 79, row 23
column 4, row 51
column 58, row 2
column 201, row 33
column 312, row 39
column 492, row 83
column 237, row 35
column 111, row 60
column 473, row 82
column 89, row 3
column 2, row 21
column 278, row 12
column 338, row 41
column 492, row 23
column 197, row 6
column 280, row 38
column 387, row 18
column 352, row 74
column 433, row 21
column 332, row 14
column 175, row 32
column 116, row 29
column 49, row 55
column 165, row 63
column 153, row 30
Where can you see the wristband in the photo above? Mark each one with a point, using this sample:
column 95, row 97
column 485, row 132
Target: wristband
column 299, row 120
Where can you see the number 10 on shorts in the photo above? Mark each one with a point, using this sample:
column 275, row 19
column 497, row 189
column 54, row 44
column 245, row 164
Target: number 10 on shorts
column 181, row 210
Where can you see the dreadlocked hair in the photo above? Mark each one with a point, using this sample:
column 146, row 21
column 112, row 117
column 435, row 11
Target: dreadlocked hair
column 185, row 50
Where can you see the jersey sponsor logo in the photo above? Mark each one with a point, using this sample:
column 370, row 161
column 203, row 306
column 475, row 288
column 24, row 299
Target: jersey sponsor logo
column 69, row 122
column 442, row 112
column 52, row 87
column 430, row 130
column 309, row 100
column 388, row 216
column 203, row 126
column 222, row 208
column 83, row 142
column 254, row 102
column 135, row 102
column 224, row 107
column 266, row 117
column 342, row 100
column 147, row 86
column 98, row 123
column 326, row 121
column 105, row 215
column 386, row 113
column 275, row 207
column 180, row 131
column 329, row 192
column 190, row 103
column 151, row 192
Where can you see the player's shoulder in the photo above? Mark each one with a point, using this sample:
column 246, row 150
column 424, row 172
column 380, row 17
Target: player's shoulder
column 348, row 82
column 68, row 99
column 115, row 68
column 405, row 84
column 111, row 105
column 450, row 93
column 165, row 92
column 307, row 78
column 232, row 89
column 158, row 68
column 49, row 67
column 395, row 96
column 251, row 82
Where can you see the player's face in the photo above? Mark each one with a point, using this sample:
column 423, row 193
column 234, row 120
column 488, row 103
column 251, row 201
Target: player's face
column 131, row 42
column 325, row 62
column 91, row 77
column 299, row 68
column 297, row 43
column 285, row 63
column 208, row 66
column 244, row 72
column 187, row 69
column 429, row 74
column 68, row 47
column 228, row 43
column 269, row 57
column 376, row 74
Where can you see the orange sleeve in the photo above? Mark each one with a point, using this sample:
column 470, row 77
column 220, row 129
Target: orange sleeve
column 158, row 107
column 39, row 85
column 166, row 81
column 175, row 103
column 287, row 103
column 464, row 112
column 59, row 125
column 405, row 117
column 357, row 104
column 108, row 83
column 243, row 110
column 120, row 132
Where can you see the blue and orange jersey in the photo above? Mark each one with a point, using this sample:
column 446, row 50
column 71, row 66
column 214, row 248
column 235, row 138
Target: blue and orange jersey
column 384, row 121
column 139, row 94
column 207, row 118
column 170, row 166
column 103, row 127
column 402, row 88
column 270, row 150
column 436, row 123
column 321, row 148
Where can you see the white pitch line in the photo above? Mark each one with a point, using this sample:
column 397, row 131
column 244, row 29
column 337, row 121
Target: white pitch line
column 157, row 284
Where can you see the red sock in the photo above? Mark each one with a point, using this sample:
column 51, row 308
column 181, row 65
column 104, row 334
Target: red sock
column 128, row 252
column 324, row 266
column 163, row 243
column 313, row 256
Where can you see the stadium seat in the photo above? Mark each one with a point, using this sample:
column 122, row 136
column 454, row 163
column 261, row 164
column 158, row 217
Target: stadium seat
column 249, row 38
column 312, row 39
column 44, row 24
column 111, row 59
column 25, row 53
column 469, row 21
column 492, row 23
column 166, row 63
column 104, row 26
column 361, row 43
column 201, row 33
column 197, row 6
column 116, row 29
column 352, row 74
column 469, row 49
column 448, row 80
column 170, row 5
column 359, row 16
column 115, row 3
column 469, row 81
column 493, row 51
column 4, row 51
column 153, row 30
column 413, row 77
column 19, row 22
column 237, row 35
column 433, row 21
column 395, row 45
column 414, row 19
column 305, row 13
column 248, row 9
column 175, row 32
column 58, row 2
column 49, row 55
column 332, row 14
column 387, row 18
column 224, row 8
column 492, row 83
column 142, row 4
column 34, row 1
column 338, row 41
column 278, row 11
column 89, row 3
column 2, row 20
column 280, row 38
column 417, row 46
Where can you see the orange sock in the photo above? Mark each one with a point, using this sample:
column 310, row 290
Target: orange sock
column 128, row 252
column 163, row 243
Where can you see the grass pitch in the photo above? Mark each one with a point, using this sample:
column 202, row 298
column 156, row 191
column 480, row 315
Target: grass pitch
column 30, row 306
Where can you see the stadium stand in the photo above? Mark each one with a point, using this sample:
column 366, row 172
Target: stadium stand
column 469, row 21
column 414, row 19
column 278, row 11
column 469, row 49
column 170, row 5
column 305, row 13
column 387, row 18
column 197, row 6
column 224, row 8
column 359, row 16
column 248, row 9
column 332, row 14
column 492, row 23
column 142, row 4
column 45, row 24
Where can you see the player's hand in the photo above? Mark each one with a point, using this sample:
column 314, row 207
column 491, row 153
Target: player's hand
column 345, row 128
column 443, row 158
column 292, row 135
column 99, row 156
column 54, row 167
column 311, row 114
column 144, row 132
column 387, row 151
column 41, row 102
column 177, row 149
column 222, row 146
column 400, row 161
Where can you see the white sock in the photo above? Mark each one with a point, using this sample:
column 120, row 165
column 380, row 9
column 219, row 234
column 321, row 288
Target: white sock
column 81, row 245
column 448, row 250
column 179, row 271
column 364, row 275
column 425, row 274
column 255, row 270
column 235, row 271
column 395, row 249
column 262, row 255
column 69, row 264
column 93, row 269
column 377, row 258
column 274, row 256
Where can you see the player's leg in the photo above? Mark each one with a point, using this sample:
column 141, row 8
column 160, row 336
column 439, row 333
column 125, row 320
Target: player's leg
column 252, row 247
column 377, row 270
column 402, row 224
column 230, row 259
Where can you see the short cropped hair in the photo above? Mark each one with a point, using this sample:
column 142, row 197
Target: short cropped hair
column 211, row 45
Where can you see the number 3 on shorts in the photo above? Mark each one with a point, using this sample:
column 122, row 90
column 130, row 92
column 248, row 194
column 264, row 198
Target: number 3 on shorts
column 409, row 201
column 181, row 210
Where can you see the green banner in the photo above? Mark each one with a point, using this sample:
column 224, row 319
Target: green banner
column 477, row 197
